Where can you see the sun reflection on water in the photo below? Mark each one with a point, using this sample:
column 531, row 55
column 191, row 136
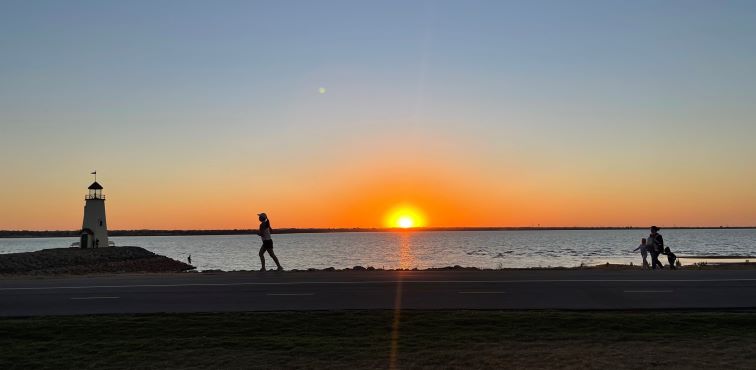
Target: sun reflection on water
column 406, row 256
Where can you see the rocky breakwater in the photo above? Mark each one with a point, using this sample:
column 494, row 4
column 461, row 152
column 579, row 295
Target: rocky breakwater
column 78, row 261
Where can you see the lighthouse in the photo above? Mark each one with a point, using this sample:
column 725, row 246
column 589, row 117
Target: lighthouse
column 94, row 230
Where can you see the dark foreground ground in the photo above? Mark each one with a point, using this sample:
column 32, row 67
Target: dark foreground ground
column 363, row 339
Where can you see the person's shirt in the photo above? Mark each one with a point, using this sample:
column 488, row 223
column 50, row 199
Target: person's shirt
column 659, row 242
column 650, row 243
column 655, row 243
column 265, row 231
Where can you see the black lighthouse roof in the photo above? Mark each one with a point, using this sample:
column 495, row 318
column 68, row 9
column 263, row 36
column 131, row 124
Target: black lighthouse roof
column 95, row 186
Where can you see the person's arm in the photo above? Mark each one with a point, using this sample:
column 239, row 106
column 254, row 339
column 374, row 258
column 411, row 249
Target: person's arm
column 636, row 249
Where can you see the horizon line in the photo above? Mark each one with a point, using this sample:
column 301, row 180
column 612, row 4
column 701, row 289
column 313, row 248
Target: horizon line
column 301, row 230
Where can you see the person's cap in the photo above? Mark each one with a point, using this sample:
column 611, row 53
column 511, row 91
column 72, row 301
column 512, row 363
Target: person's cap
column 263, row 215
column 654, row 228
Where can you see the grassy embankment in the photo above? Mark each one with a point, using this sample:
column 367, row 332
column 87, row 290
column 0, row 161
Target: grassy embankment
column 362, row 339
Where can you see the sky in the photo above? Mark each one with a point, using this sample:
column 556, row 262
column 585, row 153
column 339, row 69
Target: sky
column 200, row 114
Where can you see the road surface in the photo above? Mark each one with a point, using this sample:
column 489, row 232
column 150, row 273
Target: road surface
column 256, row 291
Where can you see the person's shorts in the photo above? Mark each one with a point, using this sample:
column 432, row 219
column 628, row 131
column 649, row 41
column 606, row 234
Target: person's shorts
column 267, row 245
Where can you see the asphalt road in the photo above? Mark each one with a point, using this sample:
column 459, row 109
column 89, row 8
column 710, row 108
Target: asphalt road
column 255, row 291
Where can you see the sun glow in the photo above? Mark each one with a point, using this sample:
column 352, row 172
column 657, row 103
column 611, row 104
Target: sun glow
column 405, row 222
column 405, row 217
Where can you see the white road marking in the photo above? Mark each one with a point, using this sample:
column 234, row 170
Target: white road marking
column 376, row 282
column 290, row 294
column 649, row 291
column 481, row 292
column 95, row 297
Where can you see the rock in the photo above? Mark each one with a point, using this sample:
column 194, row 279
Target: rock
column 88, row 261
column 358, row 268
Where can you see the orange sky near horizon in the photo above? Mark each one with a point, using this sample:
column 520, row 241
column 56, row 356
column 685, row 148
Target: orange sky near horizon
column 464, row 182
column 453, row 183
column 454, row 195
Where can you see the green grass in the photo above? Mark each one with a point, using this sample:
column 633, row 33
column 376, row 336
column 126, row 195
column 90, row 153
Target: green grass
column 362, row 339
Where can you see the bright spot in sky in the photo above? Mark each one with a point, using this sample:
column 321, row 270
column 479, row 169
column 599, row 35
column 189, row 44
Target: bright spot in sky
column 405, row 222
column 405, row 217
column 322, row 90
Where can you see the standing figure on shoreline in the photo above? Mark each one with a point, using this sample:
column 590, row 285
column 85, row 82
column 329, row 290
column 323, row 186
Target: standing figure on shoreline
column 643, row 251
column 267, row 241
column 655, row 245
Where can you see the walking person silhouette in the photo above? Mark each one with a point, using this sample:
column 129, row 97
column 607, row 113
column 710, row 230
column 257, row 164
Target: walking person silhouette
column 267, row 241
column 655, row 242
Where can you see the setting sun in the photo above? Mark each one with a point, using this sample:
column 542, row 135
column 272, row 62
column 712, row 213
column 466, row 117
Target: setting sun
column 405, row 222
column 405, row 217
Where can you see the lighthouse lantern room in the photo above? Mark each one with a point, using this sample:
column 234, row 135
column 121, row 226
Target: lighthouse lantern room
column 94, row 231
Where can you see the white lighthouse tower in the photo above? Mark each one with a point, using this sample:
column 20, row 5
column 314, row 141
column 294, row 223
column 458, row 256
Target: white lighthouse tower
column 94, row 231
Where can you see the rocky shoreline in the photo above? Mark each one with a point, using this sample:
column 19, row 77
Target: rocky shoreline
column 77, row 261
column 599, row 267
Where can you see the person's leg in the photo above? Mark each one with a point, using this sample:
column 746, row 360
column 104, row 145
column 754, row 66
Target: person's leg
column 262, row 257
column 671, row 261
column 655, row 261
column 275, row 259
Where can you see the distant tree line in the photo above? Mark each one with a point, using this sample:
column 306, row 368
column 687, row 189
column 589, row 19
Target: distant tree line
column 146, row 232
column 75, row 233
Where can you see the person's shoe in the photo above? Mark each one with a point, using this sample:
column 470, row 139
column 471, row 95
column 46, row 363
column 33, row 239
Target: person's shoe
column 262, row 269
column 279, row 268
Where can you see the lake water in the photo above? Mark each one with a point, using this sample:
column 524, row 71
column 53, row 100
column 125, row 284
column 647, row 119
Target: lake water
column 484, row 249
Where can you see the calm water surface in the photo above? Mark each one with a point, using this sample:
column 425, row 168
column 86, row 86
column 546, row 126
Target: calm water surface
column 485, row 249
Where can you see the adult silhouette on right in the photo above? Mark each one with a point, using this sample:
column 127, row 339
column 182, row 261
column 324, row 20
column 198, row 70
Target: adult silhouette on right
column 655, row 244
